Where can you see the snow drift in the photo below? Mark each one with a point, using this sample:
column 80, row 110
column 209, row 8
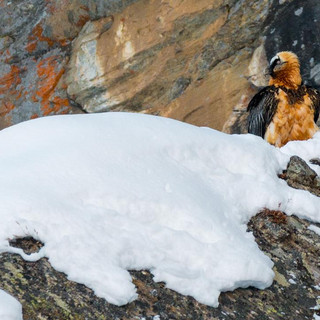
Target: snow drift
column 10, row 308
column 111, row 192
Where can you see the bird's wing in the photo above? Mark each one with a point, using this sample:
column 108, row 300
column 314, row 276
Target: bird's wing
column 262, row 108
column 315, row 99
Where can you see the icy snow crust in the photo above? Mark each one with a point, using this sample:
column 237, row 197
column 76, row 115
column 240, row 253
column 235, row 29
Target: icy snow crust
column 111, row 192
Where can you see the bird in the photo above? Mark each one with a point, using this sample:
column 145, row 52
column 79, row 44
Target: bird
column 286, row 109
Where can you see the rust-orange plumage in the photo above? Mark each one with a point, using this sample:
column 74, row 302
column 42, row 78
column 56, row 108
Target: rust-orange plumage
column 286, row 109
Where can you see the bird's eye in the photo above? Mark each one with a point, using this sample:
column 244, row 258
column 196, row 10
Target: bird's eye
column 278, row 61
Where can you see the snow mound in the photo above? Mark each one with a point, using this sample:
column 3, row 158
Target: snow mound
column 111, row 192
column 10, row 308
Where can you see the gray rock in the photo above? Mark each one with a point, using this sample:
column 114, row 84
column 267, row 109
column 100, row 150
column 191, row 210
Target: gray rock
column 300, row 176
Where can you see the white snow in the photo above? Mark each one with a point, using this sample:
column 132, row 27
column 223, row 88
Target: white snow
column 10, row 308
column 111, row 192
column 314, row 229
column 311, row 61
column 299, row 11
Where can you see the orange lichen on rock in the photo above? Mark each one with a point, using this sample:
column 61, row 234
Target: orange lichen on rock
column 10, row 80
column 5, row 113
column 57, row 105
column 31, row 46
column 82, row 20
column 37, row 35
column 6, row 107
column 6, row 55
column 49, row 72
column 10, row 92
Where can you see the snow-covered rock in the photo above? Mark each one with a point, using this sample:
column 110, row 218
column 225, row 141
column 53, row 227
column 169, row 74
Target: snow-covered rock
column 144, row 192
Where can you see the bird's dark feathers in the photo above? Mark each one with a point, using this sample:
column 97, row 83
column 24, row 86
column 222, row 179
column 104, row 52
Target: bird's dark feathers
column 315, row 98
column 263, row 106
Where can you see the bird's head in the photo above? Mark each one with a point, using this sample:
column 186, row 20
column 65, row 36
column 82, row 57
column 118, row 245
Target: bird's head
column 284, row 70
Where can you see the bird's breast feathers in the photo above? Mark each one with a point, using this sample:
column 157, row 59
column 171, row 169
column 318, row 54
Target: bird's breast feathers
column 285, row 110
column 293, row 119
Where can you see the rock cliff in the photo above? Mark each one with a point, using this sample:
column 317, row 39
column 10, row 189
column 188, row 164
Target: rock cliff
column 195, row 61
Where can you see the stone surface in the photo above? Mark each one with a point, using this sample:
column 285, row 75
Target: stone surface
column 184, row 60
column 35, row 43
column 195, row 61
column 300, row 176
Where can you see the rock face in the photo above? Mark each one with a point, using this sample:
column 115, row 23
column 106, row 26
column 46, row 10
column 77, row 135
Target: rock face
column 195, row 61
column 35, row 42
column 173, row 60
column 294, row 248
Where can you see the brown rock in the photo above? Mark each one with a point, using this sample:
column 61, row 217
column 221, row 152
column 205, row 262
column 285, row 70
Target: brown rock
column 209, row 101
column 194, row 60
column 184, row 61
